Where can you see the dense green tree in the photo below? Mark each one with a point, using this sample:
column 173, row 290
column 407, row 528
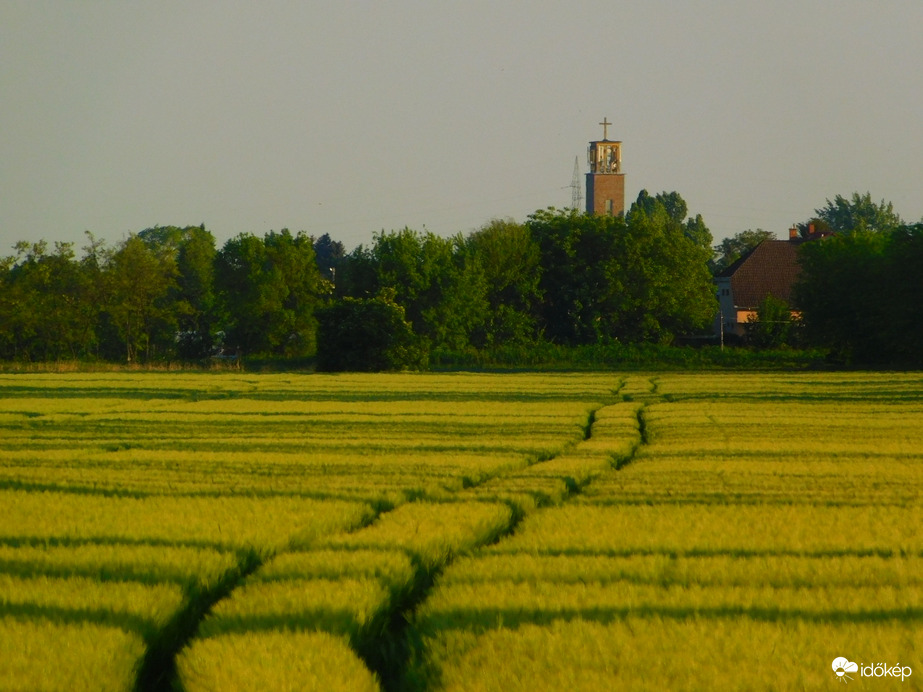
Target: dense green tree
column 840, row 295
column 510, row 261
column 677, row 210
column 140, row 277
column 858, row 214
column 558, row 235
column 366, row 334
column 674, row 205
column 633, row 278
column 195, row 296
column 668, row 285
column 695, row 230
column 8, row 309
column 436, row 280
column 100, row 336
column 25, row 301
column 860, row 290
column 401, row 264
column 584, row 258
column 9, row 306
column 192, row 296
column 20, row 321
column 357, row 274
column 46, row 307
column 268, row 289
column 902, row 295
column 70, row 312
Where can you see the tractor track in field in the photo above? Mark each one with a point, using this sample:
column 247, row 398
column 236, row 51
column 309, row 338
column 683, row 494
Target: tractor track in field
column 404, row 643
column 158, row 667
column 389, row 655
column 389, row 651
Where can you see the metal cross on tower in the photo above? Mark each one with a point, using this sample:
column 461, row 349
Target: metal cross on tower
column 605, row 123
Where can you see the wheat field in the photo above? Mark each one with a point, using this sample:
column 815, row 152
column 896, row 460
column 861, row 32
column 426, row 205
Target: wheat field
column 206, row 531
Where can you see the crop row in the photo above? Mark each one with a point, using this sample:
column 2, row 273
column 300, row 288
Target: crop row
column 311, row 436
column 223, row 521
column 343, row 388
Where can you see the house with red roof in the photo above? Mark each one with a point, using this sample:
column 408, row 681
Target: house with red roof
column 771, row 268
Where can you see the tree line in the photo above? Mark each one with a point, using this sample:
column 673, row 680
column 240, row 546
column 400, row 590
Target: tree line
column 861, row 287
column 170, row 293
column 562, row 277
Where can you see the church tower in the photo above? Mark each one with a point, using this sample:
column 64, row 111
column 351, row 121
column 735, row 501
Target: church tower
column 605, row 183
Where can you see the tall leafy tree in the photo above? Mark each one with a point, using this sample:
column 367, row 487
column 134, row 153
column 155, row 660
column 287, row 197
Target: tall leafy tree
column 859, row 214
column 196, row 316
column 861, row 296
column 268, row 289
column 26, row 277
column 634, row 279
column 584, row 258
column 192, row 299
column 22, row 300
column 295, row 266
column 510, row 261
column 46, row 309
column 677, row 210
column 435, row 279
column 357, row 274
column 70, row 312
column 671, row 203
column 902, row 294
column 140, row 280
column 695, row 229
column 559, row 235
column 670, row 288
column 839, row 292
column 100, row 338
column 8, row 310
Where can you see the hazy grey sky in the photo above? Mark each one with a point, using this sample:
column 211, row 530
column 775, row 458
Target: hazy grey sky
column 352, row 117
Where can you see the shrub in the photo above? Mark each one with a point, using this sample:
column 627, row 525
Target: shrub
column 772, row 327
column 366, row 335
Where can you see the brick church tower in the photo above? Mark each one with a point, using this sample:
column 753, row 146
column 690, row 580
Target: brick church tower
column 605, row 183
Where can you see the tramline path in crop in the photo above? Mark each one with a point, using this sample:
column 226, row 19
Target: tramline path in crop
column 450, row 531
column 131, row 515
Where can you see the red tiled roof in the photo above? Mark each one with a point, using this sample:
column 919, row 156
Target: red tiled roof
column 772, row 268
